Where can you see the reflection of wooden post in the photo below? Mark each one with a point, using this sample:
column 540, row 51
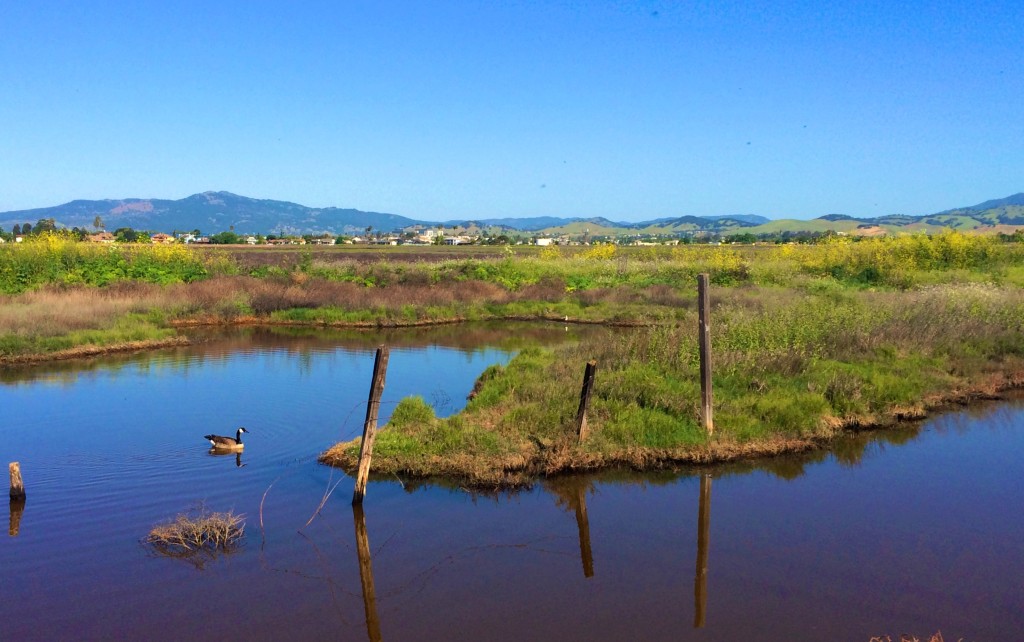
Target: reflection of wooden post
column 704, row 339
column 366, row 574
column 700, row 582
column 17, row 485
column 581, row 414
column 17, row 508
column 583, row 525
column 380, row 371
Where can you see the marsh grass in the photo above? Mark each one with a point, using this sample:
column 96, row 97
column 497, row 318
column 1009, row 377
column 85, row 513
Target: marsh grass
column 792, row 369
column 54, row 319
column 198, row 535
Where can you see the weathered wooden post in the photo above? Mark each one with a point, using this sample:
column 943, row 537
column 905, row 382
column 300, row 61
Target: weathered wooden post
column 17, row 499
column 581, row 414
column 17, row 485
column 700, row 582
column 366, row 574
column 380, row 370
column 704, row 339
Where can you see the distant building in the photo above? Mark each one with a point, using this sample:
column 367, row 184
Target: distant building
column 544, row 242
column 102, row 237
column 160, row 237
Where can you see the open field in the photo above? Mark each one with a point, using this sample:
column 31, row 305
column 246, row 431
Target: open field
column 809, row 340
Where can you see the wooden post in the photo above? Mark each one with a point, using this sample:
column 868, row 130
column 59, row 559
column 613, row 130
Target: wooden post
column 700, row 582
column 17, row 499
column 366, row 574
column 583, row 526
column 17, row 485
column 380, row 370
column 581, row 414
column 704, row 339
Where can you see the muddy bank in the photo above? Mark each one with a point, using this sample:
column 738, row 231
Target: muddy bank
column 85, row 351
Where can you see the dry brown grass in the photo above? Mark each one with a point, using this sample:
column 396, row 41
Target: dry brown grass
column 56, row 311
column 197, row 536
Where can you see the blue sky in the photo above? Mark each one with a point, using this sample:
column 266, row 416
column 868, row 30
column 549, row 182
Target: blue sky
column 436, row 110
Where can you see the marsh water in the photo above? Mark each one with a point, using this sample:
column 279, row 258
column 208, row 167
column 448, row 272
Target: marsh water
column 913, row 530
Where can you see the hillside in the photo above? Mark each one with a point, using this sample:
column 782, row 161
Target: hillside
column 212, row 212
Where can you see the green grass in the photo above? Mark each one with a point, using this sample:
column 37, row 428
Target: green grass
column 131, row 328
column 791, row 367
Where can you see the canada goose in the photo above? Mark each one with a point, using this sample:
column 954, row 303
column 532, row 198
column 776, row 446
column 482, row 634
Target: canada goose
column 227, row 443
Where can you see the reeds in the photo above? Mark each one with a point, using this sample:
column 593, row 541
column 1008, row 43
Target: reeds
column 198, row 536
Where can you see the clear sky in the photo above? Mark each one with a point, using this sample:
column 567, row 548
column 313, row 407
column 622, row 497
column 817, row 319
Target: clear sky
column 437, row 110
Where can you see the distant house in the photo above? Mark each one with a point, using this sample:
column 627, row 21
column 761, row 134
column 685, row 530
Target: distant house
column 160, row 237
column 544, row 242
column 251, row 240
column 102, row 237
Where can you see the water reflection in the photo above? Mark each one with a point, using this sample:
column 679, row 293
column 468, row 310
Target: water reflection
column 700, row 581
column 366, row 574
column 17, row 508
column 213, row 452
column 571, row 494
column 219, row 344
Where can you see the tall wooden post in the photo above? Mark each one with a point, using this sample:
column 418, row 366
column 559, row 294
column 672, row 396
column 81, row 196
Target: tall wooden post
column 700, row 582
column 366, row 574
column 17, row 485
column 380, row 370
column 704, row 339
column 581, row 413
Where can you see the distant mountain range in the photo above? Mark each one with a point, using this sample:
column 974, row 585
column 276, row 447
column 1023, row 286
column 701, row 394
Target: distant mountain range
column 212, row 212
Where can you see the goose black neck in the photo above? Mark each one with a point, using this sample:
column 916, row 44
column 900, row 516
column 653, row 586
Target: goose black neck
column 238, row 436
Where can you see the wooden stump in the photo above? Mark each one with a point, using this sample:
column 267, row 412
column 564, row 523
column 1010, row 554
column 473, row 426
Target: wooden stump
column 17, row 485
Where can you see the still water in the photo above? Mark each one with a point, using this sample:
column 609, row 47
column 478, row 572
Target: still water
column 911, row 531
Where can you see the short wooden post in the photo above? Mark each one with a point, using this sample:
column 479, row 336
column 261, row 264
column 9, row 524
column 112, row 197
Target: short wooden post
column 17, row 485
column 700, row 582
column 366, row 574
column 581, row 414
column 380, row 370
column 704, row 339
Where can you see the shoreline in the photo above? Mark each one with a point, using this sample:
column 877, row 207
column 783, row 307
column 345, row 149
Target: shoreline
column 515, row 470
column 87, row 351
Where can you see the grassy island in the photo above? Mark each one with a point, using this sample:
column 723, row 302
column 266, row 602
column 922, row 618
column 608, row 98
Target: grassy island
column 808, row 340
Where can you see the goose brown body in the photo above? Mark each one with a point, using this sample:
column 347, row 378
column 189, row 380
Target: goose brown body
column 219, row 442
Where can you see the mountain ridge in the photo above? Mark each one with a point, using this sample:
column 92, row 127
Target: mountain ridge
column 215, row 211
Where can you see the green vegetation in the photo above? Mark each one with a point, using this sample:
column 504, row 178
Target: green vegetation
column 809, row 339
column 792, row 369
column 57, row 258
